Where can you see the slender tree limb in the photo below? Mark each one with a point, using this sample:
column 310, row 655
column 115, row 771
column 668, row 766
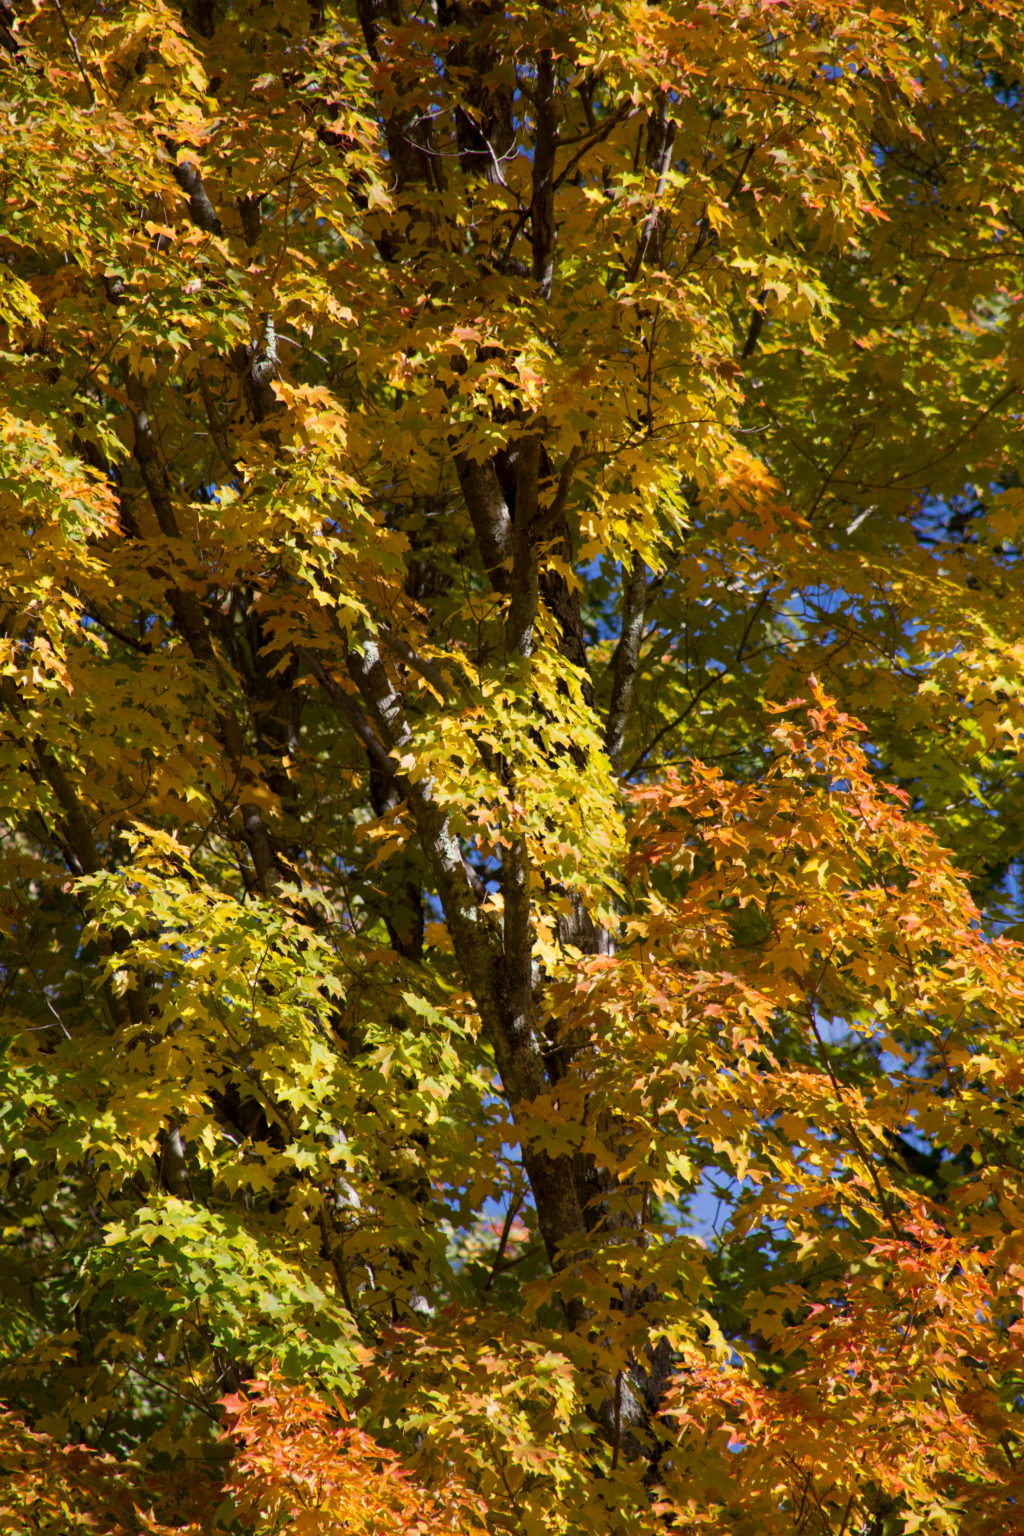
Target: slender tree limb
column 409, row 157
column 542, row 200
column 76, row 55
column 756, row 324
column 201, row 210
column 555, row 511
column 479, row 948
column 490, row 515
column 80, row 840
column 525, row 578
column 661, row 133
column 510, row 1215
column 426, row 669
column 626, row 661
column 375, row 750
column 188, row 611
column 621, row 114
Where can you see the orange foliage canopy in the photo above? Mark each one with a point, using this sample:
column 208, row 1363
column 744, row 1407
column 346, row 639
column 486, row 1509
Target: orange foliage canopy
column 296, row 1466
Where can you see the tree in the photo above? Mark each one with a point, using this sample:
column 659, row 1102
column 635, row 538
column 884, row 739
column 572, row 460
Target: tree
column 511, row 710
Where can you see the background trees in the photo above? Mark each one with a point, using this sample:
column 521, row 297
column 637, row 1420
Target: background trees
column 509, row 595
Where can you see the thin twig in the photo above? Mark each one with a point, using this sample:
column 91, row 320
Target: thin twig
column 73, row 42
column 510, row 1216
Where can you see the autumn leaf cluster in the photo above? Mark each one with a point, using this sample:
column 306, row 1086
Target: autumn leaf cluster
column 510, row 730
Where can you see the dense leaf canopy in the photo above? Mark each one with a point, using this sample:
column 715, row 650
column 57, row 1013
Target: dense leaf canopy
column 511, row 653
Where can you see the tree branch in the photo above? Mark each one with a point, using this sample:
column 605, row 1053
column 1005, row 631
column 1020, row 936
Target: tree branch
column 525, row 578
column 542, row 200
column 626, row 661
column 479, row 950
column 202, row 212
column 661, row 133
column 73, row 44
column 412, row 658
column 489, row 514
column 375, row 750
